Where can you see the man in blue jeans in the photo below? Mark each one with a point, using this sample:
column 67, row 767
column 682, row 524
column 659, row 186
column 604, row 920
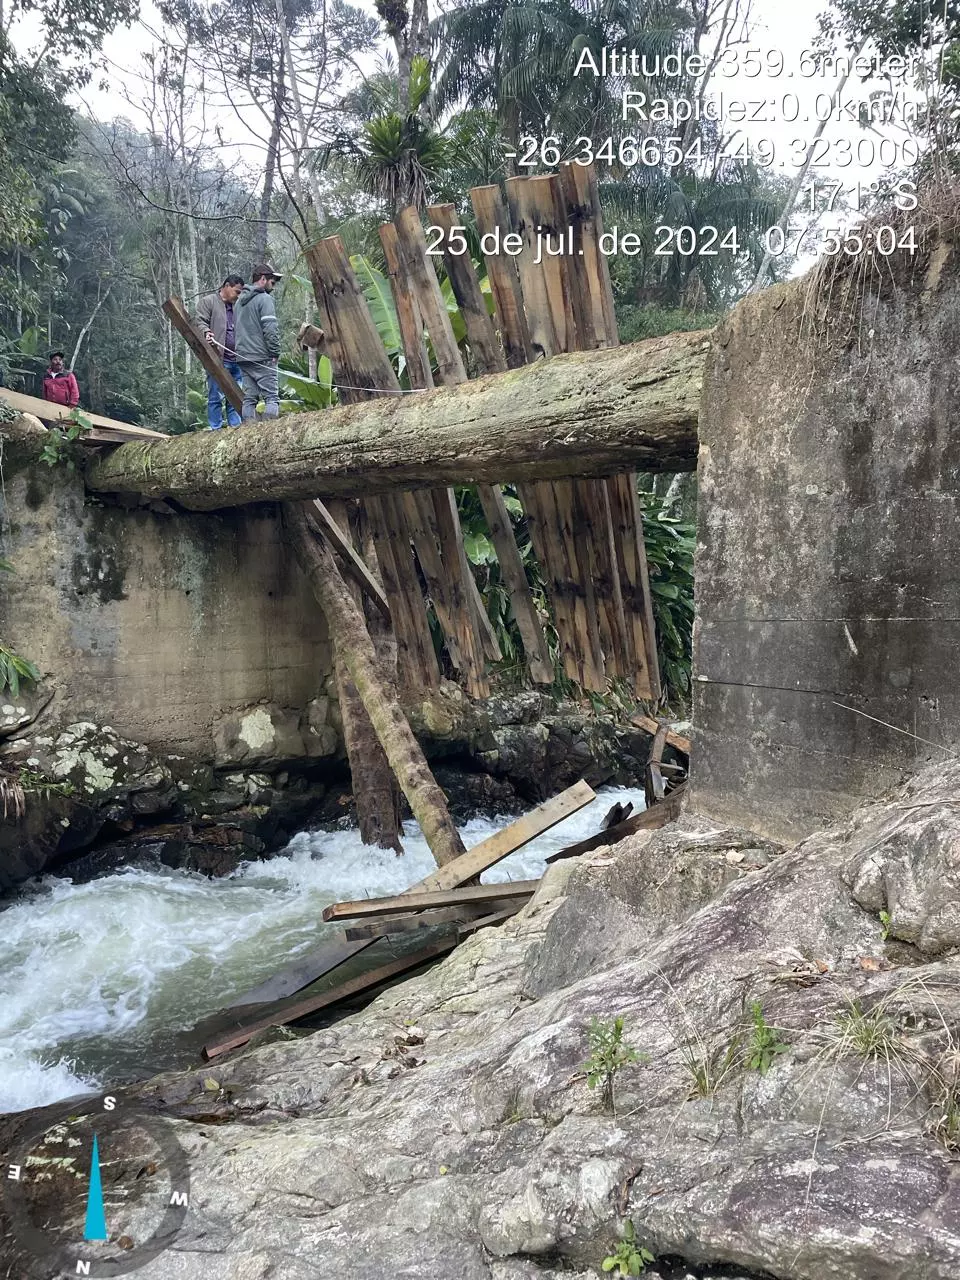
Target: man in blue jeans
column 217, row 324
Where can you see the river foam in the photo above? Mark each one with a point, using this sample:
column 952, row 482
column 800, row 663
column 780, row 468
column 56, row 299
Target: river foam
column 97, row 980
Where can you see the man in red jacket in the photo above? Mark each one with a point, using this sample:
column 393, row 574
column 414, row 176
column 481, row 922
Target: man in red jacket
column 59, row 384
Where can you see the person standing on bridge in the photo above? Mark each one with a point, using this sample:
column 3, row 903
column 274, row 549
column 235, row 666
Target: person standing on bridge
column 258, row 344
column 216, row 320
column 60, row 384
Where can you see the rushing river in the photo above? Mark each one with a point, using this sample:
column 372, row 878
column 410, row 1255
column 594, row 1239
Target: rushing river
column 99, row 981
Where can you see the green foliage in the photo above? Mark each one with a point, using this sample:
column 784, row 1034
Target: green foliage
column 14, row 670
column 885, row 924
column 401, row 153
column 866, row 1033
column 39, row 784
column 608, row 1056
column 60, row 446
column 670, row 543
column 765, row 1043
column 706, row 1067
column 628, row 1257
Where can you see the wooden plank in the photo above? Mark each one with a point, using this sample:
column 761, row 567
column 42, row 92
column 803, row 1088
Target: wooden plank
column 654, row 786
column 417, row 898
column 418, row 505
column 349, row 559
column 532, row 204
column 606, row 288
column 593, row 514
column 588, row 301
column 676, row 740
column 422, row 278
column 473, row 615
column 475, row 636
column 418, row 920
column 176, row 313
column 468, row 293
column 540, row 509
column 416, row 659
column 361, row 366
column 570, row 545
column 313, row 1004
column 331, row 953
column 47, row 411
column 491, row 219
column 522, row 202
column 635, row 582
column 421, row 521
column 658, row 815
column 487, row 922
column 361, row 369
column 488, row 852
column 409, row 316
column 535, row 645
column 490, row 359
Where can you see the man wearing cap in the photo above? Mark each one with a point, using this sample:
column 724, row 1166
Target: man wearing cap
column 258, row 344
column 59, row 384
column 216, row 323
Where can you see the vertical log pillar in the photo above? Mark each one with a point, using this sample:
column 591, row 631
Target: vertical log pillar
column 352, row 641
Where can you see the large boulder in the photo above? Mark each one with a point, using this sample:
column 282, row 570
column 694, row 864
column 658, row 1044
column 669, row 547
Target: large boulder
column 792, row 1112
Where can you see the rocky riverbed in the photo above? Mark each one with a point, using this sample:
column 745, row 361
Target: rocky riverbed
column 96, row 801
column 792, row 1110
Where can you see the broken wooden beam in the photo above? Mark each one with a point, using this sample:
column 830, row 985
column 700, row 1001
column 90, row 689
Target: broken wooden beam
column 386, row 926
column 658, row 815
column 424, row 900
column 309, row 968
column 104, row 429
column 349, row 558
column 348, row 630
column 313, row 1004
column 586, row 413
column 212, row 364
column 486, row 922
column 676, row 740
column 495, row 848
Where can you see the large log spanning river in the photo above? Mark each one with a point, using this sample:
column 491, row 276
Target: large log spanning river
column 99, row 981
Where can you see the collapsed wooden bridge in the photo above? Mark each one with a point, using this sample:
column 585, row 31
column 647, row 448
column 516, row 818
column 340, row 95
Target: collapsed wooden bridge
column 540, row 395
column 555, row 406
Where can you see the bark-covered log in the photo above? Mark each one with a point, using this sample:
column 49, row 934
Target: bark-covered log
column 587, row 413
column 352, row 641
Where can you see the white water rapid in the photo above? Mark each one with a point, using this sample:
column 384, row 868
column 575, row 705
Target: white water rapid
column 98, row 980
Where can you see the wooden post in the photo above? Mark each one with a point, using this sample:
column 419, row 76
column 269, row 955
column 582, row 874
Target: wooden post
column 491, row 218
column 376, row 793
column 349, row 633
column 466, row 288
column 363, row 369
column 176, row 313
column 475, row 636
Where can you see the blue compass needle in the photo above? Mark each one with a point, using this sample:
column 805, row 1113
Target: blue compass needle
column 96, row 1225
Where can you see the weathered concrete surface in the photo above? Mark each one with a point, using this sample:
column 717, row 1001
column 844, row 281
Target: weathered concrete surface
column 828, row 565
column 185, row 632
column 448, row 1130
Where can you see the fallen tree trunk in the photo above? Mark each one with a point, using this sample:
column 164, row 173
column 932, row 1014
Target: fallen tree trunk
column 587, row 413
column 355, row 649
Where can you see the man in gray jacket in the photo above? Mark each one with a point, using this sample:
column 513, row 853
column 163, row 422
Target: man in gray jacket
column 215, row 321
column 258, row 344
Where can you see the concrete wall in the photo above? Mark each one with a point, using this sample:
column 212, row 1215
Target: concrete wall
column 192, row 633
column 828, row 565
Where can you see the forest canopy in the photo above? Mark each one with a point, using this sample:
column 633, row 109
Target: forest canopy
column 245, row 129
